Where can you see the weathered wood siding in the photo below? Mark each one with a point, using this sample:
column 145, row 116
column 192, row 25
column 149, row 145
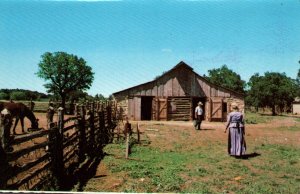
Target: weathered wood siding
column 182, row 82
column 134, row 108
column 180, row 85
column 179, row 108
column 296, row 108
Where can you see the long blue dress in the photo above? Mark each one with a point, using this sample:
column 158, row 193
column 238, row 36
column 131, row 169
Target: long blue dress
column 236, row 135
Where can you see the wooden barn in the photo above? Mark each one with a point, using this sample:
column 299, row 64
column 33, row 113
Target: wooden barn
column 296, row 106
column 174, row 96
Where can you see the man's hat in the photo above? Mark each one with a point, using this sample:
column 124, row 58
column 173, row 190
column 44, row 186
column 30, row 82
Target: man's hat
column 200, row 103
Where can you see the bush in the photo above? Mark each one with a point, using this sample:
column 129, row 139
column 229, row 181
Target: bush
column 18, row 95
column 4, row 96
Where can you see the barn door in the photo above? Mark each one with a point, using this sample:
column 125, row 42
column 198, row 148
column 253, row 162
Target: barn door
column 134, row 108
column 160, row 109
column 216, row 109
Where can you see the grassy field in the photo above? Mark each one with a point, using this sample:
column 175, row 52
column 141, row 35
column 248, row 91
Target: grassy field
column 173, row 157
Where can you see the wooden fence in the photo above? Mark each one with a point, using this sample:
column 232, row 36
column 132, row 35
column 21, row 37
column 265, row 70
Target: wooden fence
column 53, row 158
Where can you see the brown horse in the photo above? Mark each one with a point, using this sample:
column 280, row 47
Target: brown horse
column 20, row 111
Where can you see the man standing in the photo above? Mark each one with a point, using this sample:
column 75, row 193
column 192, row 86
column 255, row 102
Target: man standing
column 50, row 113
column 198, row 115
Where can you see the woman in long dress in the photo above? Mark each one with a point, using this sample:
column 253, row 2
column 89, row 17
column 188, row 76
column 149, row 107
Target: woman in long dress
column 236, row 136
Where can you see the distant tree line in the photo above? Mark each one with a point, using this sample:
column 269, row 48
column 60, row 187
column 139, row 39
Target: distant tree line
column 27, row 95
column 21, row 94
column 274, row 90
column 80, row 96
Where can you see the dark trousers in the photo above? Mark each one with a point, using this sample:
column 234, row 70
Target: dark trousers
column 199, row 121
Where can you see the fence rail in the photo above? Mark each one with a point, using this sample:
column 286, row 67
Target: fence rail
column 50, row 157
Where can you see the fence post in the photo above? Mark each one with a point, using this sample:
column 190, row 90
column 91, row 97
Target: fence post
column 92, row 129
column 82, row 135
column 127, row 131
column 127, row 146
column 103, row 135
column 5, row 125
column 138, row 132
column 76, row 109
column 56, row 138
column 109, row 130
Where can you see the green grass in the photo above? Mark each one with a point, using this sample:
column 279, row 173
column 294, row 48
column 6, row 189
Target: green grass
column 178, row 164
column 294, row 128
column 255, row 118
column 207, row 169
column 149, row 163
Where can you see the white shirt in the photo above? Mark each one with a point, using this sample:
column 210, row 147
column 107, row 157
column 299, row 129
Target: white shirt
column 198, row 110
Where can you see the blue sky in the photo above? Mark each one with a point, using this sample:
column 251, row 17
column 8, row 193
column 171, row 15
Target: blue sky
column 129, row 42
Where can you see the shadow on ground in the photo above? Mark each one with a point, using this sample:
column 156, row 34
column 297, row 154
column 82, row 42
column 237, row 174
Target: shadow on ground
column 78, row 175
column 248, row 156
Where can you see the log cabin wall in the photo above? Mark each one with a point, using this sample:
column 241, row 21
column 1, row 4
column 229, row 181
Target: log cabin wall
column 180, row 86
column 179, row 108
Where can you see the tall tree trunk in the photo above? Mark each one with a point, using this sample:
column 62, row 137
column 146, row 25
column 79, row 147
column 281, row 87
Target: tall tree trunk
column 63, row 100
column 273, row 110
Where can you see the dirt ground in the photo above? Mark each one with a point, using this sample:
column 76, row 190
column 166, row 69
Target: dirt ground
column 172, row 131
column 212, row 131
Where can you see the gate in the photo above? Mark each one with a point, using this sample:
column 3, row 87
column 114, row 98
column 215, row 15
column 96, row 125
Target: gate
column 216, row 109
column 160, row 109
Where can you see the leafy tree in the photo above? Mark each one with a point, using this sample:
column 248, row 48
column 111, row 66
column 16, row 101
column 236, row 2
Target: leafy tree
column 18, row 95
column 272, row 89
column 110, row 97
column 77, row 95
column 227, row 78
column 99, row 97
column 4, row 96
column 156, row 77
column 298, row 82
column 28, row 94
column 253, row 95
column 298, row 77
column 64, row 73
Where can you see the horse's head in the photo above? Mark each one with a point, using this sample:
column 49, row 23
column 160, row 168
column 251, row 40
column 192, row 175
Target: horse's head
column 35, row 124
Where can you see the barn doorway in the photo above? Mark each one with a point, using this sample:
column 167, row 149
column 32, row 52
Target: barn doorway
column 195, row 101
column 146, row 107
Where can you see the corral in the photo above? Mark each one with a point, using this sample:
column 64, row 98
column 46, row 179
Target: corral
column 64, row 151
column 171, row 157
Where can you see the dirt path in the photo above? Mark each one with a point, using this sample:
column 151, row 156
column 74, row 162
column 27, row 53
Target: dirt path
column 166, row 134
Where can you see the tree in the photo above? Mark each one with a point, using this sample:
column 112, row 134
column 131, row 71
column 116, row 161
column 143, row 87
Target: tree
column 272, row 89
column 253, row 95
column 227, row 78
column 64, row 73
column 18, row 95
column 77, row 95
column 298, row 82
column 100, row 97
column 4, row 96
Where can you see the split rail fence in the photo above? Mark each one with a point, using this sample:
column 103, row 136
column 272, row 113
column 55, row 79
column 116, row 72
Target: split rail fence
column 51, row 159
